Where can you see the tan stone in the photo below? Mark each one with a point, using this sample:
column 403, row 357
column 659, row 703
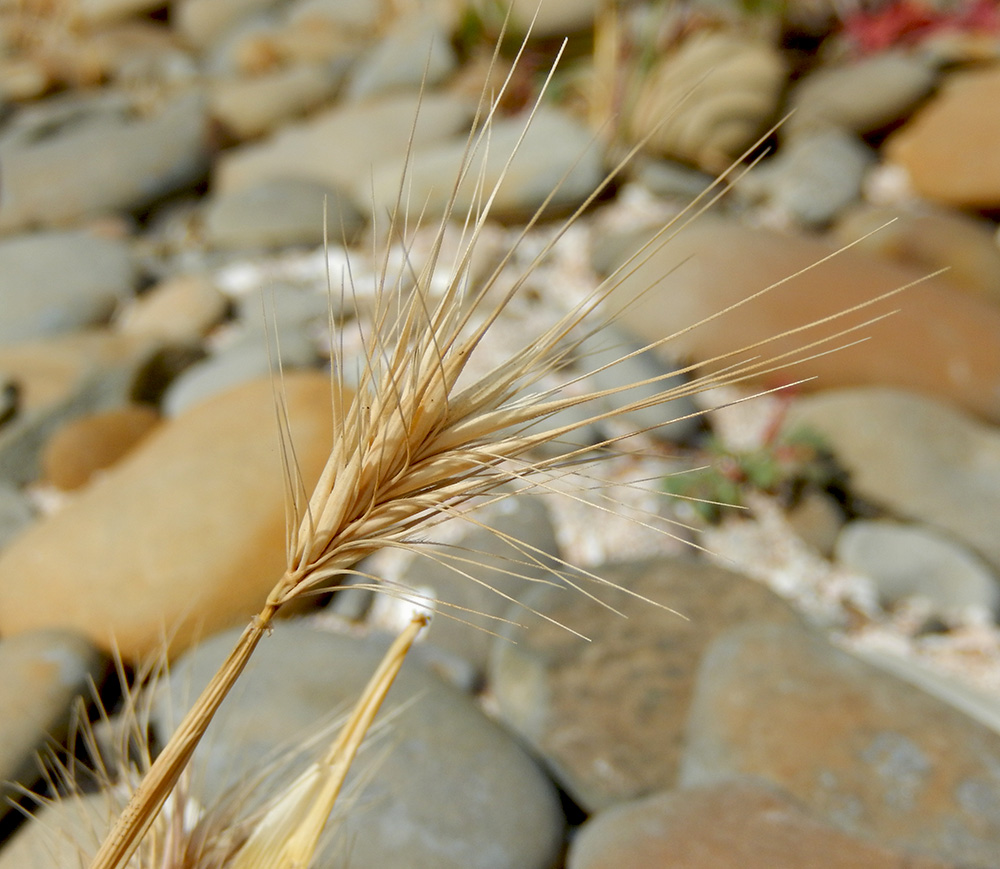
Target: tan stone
column 949, row 148
column 103, row 12
column 48, row 370
column 94, row 442
column 916, row 457
column 184, row 537
column 252, row 105
column 200, row 22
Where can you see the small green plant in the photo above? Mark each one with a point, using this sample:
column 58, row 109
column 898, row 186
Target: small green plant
column 787, row 464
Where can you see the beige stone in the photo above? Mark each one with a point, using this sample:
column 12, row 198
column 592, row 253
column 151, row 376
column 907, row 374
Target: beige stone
column 179, row 309
column 916, row 457
column 253, row 105
column 41, row 674
column 62, row 831
column 49, row 370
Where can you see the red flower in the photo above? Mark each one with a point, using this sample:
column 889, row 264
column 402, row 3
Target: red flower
column 909, row 22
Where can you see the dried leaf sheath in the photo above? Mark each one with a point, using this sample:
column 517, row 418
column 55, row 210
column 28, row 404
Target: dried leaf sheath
column 287, row 836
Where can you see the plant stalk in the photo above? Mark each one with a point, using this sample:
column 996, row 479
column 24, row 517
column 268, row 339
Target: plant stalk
column 159, row 781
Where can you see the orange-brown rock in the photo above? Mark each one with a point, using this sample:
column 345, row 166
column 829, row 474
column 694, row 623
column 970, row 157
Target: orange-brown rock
column 930, row 239
column 949, row 149
column 939, row 341
column 738, row 823
column 182, row 538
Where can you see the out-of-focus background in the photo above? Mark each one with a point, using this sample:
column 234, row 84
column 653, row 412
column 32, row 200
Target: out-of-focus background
column 182, row 184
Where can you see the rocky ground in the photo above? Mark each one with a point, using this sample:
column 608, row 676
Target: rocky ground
column 833, row 696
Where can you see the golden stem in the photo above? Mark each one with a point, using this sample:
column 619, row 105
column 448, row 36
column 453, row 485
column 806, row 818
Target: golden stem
column 159, row 781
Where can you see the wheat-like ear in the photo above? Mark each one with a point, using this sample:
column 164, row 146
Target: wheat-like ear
column 420, row 439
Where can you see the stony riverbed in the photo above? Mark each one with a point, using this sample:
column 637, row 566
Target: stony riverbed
column 181, row 186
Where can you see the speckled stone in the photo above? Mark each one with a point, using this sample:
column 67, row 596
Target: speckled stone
column 735, row 824
column 608, row 715
column 866, row 752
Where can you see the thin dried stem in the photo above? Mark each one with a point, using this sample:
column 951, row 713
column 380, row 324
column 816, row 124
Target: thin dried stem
column 159, row 781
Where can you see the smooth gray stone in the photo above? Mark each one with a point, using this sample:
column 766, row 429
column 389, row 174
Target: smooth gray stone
column 244, row 361
column 279, row 213
column 813, row 178
column 861, row 96
column 557, row 155
column 672, row 180
column 905, row 560
column 414, row 52
column 15, row 512
column 443, row 787
column 605, row 354
column 53, row 282
column 504, row 557
column 96, row 163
